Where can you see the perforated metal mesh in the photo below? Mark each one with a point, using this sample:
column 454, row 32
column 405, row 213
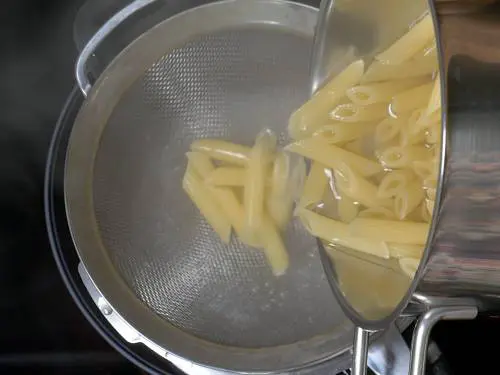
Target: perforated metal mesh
column 227, row 85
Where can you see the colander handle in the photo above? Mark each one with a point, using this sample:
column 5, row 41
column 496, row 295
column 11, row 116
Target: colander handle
column 88, row 51
column 420, row 337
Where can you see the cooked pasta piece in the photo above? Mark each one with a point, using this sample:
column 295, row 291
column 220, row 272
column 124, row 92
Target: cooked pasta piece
column 430, row 182
column 347, row 209
column 332, row 156
column 424, row 168
column 378, row 213
column 226, row 176
column 356, row 146
column 279, row 200
column 222, row 150
column 408, row 199
column 413, row 133
column 358, row 188
column 403, row 157
column 257, row 166
column 233, row 210
column 355, row 113
column 273, row 247
column 342, row 132
column 405, row 232
column 399, row 250
column 314, row 186
column 409, row 266
column 305, row 120
column 381, row 92
column 418, row 67
column 394, row 182
column 420, row 35
column 201, row 163
column 388, row 129
column 411, row 99
column 337, row 233
column 435, row 99
column 201, row 196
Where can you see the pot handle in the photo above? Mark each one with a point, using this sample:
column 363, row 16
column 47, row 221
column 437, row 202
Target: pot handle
column 420, row 337
column 88, row 51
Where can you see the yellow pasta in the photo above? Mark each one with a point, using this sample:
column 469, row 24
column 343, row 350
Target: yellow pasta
column 344, row 132
column 388, row 129
column 409, row 266
column 431, row 193
column 435, row 99
column 408, row 199
column 433, row 134
column 305, row 120
column 201, row 163
column 279, row 200
column 411, row 99
column 347, row 209
column 337, row 233
column 253, row 197
column 273, row 247
column 193, row 185
column 398, row 250
column 394, row 182
column 332, row 156
column 358, row 188
column 227, row 176
column 378, row 213
column 403, row 157
column 381, row 92
column 222, row 150
column 405, row 232
column 425, row 215
column 314, row 186
column 354, row 113
column 425, row 168
column 409, row 44
column 414, row 131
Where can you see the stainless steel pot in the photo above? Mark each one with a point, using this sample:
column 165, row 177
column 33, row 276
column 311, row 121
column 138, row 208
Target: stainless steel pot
column 459, row 274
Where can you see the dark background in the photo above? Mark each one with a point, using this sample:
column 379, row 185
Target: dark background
column 39, row 324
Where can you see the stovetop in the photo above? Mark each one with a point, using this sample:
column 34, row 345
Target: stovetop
column 39, row 324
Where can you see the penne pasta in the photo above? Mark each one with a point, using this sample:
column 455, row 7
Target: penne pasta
column 193, row 185
column 305, row 120
column 337, row 233
column 314, row 186
column 332, row 156
column 222, row 150
column 226, row 176
column 433, row 134
column 420, row 35
column 342, row 132
column 408, row 199
column 358, row 188
column 347, row 209
column 233, row 210
column 399, row 250
column 273, row 247
column 405, row 232
column 381, row 92
column 279, row 200
column 411, row 99
column 378, row 213
column 431, row 193
column 253, row 194
column 425, row 168
column 388, row 129
column 403, row 157
column 413, row 133
column 394, row 182
column 200, row 163
column 435, row 99
column 355, row 113
column 409, row 266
